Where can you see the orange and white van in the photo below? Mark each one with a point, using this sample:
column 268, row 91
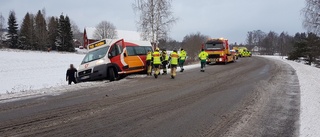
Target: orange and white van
column 110, row 58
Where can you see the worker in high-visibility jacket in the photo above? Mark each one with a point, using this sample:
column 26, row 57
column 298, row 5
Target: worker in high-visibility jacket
column 149, row 63
column 156, row 58
column 174, row 63
column 203, row 56
column 182, row 59
column 165, row 59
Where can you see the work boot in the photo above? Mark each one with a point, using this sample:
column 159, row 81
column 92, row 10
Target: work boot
column 155, row 76
column 172, row 77
column 181, row 70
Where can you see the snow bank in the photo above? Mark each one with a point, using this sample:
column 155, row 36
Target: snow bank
column 309, row 79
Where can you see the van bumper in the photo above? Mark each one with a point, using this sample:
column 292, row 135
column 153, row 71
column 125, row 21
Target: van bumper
column 96, row 73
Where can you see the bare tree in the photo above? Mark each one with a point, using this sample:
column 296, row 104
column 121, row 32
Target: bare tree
column 105, row 29
column 192, row 43
column 155, row 19
column 77, row 34
column 311, row 14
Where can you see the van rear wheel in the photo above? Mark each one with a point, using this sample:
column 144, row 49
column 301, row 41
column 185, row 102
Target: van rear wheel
column 111, row 74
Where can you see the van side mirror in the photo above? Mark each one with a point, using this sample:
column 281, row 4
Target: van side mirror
column 125, row 54
column 109, row 55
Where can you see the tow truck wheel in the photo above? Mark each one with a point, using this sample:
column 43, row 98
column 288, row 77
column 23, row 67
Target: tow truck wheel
column 111, row 74
column 226, row 61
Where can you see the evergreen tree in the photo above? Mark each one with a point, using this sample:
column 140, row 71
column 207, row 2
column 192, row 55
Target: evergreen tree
column 306, row 46
column 300, row 46
column 12, row 30
column 32, row 32
column 25, row 33
column 312, row 53
column 68, row 35
column 53, row 32
column 41, row 31
column 60, row 37
column 64, row 41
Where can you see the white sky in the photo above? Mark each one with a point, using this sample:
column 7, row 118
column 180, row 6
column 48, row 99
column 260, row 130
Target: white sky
column 230, row 19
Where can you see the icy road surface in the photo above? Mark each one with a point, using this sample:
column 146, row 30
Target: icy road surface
column 252, row 97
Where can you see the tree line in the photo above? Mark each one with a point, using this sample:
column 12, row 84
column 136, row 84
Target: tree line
column 37, row 33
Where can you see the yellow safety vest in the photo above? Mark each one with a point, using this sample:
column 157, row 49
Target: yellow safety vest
column 149, row 56
column 165, row 57
column 174, row 58
column 203, row 55
column 156, row 58
column 183, row 55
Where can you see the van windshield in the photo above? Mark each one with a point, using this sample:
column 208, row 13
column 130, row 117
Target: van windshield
column 95, row 54
column 214, row 45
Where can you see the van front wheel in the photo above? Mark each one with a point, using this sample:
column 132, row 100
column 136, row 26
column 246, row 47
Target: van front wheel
column 111, row 74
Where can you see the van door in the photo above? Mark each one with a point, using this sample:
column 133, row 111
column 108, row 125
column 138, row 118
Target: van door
column 133, row 58
column 116, row 54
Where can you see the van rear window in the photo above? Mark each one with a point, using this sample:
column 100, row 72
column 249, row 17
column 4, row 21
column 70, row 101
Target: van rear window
column 138, row 50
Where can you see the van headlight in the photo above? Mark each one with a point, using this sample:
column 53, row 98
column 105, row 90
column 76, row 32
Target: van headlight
column 100, row 61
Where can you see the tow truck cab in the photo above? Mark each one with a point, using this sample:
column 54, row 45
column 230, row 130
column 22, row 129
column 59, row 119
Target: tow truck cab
column 219, row 51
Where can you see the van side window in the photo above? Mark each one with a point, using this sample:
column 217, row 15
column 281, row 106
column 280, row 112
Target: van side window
column 140, row 50
column 137, row 50
column 148, row 49
column 130, row 51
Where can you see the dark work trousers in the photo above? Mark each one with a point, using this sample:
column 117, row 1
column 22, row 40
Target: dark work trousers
column 72, row 80
column 203, row 64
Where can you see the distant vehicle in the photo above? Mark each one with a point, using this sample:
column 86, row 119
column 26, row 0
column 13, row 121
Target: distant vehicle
column 219, row 51
column 111, row 58
column 81, row 47
column 244, row 52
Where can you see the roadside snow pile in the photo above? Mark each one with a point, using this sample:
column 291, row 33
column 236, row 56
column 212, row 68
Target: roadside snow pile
column 30, row 70
column 309, row 79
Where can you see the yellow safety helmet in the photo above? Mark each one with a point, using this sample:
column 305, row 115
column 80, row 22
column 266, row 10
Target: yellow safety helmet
column 157, row 49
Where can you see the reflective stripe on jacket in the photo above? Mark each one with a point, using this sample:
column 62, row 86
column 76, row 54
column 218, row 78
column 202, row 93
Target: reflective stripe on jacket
column 203, row 55
column 156, row 57
column 174, row 58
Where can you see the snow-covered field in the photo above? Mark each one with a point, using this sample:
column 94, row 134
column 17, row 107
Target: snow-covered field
column 309, row 79
column 30, row 70
column 29, row 73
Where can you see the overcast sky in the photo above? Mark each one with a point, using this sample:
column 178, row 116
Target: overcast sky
column 230, row 19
